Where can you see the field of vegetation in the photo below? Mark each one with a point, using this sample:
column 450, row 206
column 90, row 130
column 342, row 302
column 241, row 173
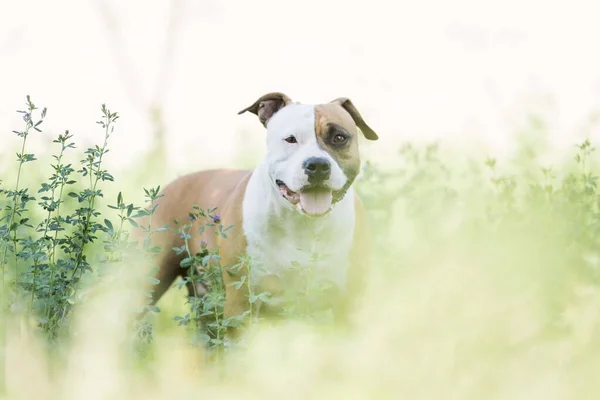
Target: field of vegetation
column 486, row 285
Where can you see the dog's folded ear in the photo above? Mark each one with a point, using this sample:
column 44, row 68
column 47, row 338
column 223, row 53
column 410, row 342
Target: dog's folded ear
column 267, row 105
column 360, row 123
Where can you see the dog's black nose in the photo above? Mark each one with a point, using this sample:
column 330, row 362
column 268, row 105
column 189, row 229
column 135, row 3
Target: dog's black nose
column 318, row 169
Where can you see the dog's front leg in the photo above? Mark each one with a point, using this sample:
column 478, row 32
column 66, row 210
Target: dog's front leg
column 237, row 305
column 235, row 275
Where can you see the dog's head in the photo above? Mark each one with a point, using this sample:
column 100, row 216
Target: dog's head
column 312, row 150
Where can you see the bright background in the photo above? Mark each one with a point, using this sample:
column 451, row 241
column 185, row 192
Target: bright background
column 467, row 72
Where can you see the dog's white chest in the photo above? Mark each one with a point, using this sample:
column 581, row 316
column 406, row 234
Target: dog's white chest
column 285, row 251
column 282, row 244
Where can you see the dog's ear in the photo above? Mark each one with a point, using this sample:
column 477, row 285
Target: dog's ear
column 267, row 105
column 362, row 125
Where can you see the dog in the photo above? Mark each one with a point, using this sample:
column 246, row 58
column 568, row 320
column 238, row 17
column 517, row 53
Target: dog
column 297, row 202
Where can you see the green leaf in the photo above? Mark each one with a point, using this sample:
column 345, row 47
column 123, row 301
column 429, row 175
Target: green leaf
column 153, row 280
column 186, row 262
column 133, row 223
column 109, row 225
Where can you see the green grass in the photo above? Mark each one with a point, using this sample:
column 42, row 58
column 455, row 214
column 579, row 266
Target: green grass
column 485, row 286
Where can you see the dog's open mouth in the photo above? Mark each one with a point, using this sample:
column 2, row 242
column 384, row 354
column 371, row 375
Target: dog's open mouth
column 313, row 201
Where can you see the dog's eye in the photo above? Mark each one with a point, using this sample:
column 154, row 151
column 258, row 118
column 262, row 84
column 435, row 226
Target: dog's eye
column 339, row 139
column 291, row 139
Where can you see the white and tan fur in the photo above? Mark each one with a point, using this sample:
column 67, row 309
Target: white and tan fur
column 272, row 230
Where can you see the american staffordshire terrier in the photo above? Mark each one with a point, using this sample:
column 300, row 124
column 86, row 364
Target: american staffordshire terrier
column 299, row 201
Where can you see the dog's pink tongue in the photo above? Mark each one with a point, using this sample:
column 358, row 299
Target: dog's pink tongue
column 316, row 202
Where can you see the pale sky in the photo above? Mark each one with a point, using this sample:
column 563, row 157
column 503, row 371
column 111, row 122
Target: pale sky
column 462, row 71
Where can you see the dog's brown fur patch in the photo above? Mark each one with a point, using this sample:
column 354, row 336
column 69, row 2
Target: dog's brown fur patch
column 329, row 118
